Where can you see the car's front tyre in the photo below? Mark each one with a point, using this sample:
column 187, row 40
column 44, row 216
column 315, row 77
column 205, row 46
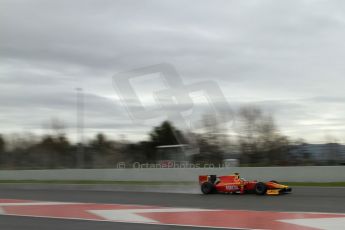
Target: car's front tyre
column 260, row 188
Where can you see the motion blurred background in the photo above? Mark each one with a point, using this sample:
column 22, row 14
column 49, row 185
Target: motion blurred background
column 278, row 65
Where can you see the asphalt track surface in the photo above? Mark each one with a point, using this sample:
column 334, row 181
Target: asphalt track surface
column 306, row 199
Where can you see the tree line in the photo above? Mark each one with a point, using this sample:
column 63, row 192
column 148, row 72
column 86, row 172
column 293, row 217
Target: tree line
column 256, row 141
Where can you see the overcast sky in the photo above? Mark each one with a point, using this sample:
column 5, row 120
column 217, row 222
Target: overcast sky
column 284, row 56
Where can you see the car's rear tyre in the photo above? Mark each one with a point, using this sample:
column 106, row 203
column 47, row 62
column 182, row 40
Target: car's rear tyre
column 260, row 188
column 207, row 188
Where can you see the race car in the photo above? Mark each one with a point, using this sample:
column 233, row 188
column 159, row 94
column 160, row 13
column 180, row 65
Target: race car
column 234, row 184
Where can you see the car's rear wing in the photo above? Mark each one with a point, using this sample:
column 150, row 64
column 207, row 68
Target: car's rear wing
column 207, row 178
column 203, row 179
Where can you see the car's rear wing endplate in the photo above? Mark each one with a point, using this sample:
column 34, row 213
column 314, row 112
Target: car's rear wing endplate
column 203, row 178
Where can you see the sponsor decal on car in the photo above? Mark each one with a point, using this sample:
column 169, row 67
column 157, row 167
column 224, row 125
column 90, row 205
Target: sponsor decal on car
column 232, row 187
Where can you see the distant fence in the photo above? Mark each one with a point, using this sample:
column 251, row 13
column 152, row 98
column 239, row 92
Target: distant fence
column 292, row 174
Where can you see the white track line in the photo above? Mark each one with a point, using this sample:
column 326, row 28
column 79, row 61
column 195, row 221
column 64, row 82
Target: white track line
column 334, row 223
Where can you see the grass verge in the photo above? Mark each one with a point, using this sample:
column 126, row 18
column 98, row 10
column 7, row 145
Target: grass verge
column 318, row 184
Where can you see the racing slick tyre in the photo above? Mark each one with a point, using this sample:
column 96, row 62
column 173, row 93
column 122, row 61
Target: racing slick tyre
column 260, row 188
column 207, row 188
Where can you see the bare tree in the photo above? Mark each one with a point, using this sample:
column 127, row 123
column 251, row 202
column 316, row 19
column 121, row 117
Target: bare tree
column 215, row 129
column 247, row 129
column 57, row 127
column 259, row 139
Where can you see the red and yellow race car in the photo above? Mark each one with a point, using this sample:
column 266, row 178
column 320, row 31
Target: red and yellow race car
column 235, row 184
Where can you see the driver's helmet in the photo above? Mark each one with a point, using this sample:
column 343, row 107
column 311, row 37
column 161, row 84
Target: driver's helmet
column 237, row 175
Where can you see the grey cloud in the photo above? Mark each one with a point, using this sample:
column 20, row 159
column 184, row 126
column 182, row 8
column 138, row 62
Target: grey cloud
column 277, row 54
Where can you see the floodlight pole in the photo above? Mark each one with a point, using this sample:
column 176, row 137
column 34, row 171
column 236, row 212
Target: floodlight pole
column 80, row 127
